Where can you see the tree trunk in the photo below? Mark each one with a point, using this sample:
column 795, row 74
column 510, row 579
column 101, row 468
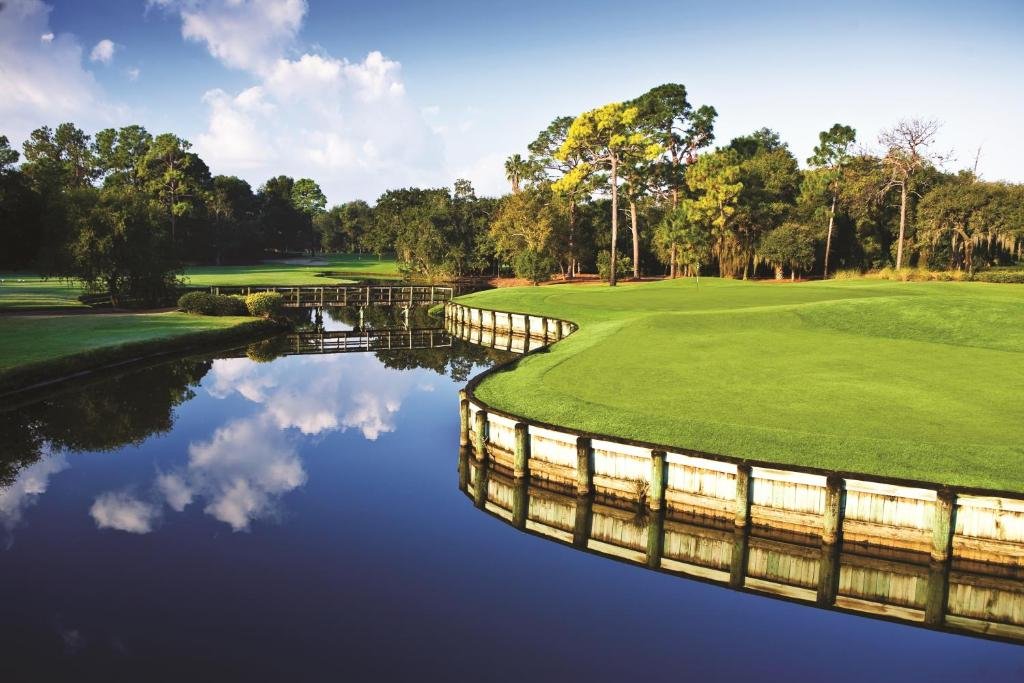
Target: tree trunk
column 636, row 239
column 778, row 272
column 903, row 225
column 792, row 274
column 673, row 268
column 615, row 219
column 572, row 237
column 828, row 239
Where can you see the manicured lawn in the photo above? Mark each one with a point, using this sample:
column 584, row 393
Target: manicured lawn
column 913, row 380
column 293, row 272
column 21, row 291
column 31, row 339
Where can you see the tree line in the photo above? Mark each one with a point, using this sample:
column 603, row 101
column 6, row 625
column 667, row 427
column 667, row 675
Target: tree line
column 124, row 210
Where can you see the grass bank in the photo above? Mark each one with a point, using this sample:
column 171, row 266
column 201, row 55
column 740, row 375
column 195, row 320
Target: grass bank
column 38, row 349
column 22, row 291
column 912, row 380
column 325, row 270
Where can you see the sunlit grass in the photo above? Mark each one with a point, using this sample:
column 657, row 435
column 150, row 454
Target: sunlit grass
column 914, row 380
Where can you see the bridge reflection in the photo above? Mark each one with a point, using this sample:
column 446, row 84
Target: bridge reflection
column 351, row 341
column 960, row 596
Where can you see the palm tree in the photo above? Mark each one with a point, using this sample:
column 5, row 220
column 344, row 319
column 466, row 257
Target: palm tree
column 516, row 170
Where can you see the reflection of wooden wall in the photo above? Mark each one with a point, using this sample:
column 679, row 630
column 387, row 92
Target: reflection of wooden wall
column 900, row 586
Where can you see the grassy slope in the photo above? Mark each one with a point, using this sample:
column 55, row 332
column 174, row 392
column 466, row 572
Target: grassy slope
column 32, row 339
column 914, row 380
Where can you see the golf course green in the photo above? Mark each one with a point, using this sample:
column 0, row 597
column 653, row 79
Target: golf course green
column 921, row 381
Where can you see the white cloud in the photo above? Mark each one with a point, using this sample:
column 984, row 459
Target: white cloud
column 242, row 34
column 124, row 512
column 241, row 471
column 175, row 491
column 103, row 51
column 41, row 75
column 30, row 483
column 133, row 73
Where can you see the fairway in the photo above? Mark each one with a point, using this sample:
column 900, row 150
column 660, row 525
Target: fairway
column 912, row 380
column 331, row 269
column 19, row 291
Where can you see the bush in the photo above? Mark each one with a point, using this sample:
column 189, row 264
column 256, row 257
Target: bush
column 267, row 350
column 534, row 266
column 1006, row 277
column 265, row 304
column 623, row 265
column 204, row 303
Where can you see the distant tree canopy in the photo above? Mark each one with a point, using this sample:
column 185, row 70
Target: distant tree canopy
column 125, row 210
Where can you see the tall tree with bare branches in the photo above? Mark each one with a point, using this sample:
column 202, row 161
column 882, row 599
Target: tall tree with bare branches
column 907, row 150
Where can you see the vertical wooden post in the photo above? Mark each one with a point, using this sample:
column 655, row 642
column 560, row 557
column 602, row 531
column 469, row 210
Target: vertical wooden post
column 743, row 490
column 828, row 574
column 655, row 538
column 522, row 454
column 463, row 418
column 943, row 525
column 583, row 521
column 936, row 594
column 520, row 503
column 656, row 496
column 480, row 485
column 832, row 522
column 464, row 469
column 544, row 328
column 738, row 562
column 584, row 466
column 481, row 434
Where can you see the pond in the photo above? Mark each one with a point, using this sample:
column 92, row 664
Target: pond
column 249, row 514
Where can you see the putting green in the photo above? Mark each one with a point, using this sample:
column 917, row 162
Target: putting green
column 920, row 381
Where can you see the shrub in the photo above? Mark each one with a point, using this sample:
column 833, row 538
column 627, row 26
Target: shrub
column 623, row 265
column 436, row 311
column 267, row 350
column 1007, row 277
column 265, row 304
column 204, row 303
column 534, row 266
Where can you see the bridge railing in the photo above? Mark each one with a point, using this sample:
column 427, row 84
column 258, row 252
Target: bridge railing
column 342, row 295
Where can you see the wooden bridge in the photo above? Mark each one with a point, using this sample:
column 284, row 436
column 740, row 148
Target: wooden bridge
column 356, row 341
column 342, row 295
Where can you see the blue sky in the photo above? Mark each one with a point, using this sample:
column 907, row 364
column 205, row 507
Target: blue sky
column 367, row 96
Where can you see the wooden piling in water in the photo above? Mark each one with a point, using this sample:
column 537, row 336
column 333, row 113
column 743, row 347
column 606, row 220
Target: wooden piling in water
column 832, row 519
column 743, row 491
column 656, row 494
column 582, row 521
column 584, row 466
column 936, row 594
column 655, row 538
column 463, row 418
column 480, row 426
column 520, row 503
column 738, row 559
column 522, row 451
column 942, row 525
column 828, row 575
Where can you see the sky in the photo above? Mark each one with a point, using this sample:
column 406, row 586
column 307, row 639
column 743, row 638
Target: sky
column 363, row 97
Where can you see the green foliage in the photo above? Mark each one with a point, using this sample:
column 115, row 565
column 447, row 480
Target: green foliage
column 623, row 265
column 535, row 266
column 267, row 350
column 790, row 245
column 436, row 311
column 205, row 303
column 265, row 304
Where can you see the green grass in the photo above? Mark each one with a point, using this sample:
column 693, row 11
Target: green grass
column 920, row 381
column 20, row 291
column 32, row 339
column 342, row 268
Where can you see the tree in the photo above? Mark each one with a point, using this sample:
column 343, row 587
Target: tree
column 120, row 153
column 8, row 156
column 602, row 137
column 175, row 178
column 715, row 184
column 526, row 222
column 21, row 232
column 770, row 177
column 907, row 151
column 232, row 205
column 517, row 169
column 681, row 130
column 681, row 240
column 60, row 159
column 833, row 154
column 790, row 245
column 967, row 215
column 548, row 166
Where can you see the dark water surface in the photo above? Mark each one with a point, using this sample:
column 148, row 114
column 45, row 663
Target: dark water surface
column 301, row 519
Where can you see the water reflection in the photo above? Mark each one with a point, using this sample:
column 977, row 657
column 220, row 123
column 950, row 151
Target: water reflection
column 238, row 472
column 958, row 596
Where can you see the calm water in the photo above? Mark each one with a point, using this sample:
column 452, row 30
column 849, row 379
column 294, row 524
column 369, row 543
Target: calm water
column 301, row 519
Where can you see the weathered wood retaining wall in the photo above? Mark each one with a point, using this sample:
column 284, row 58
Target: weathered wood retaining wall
column 970, row 525
column 953, row 595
